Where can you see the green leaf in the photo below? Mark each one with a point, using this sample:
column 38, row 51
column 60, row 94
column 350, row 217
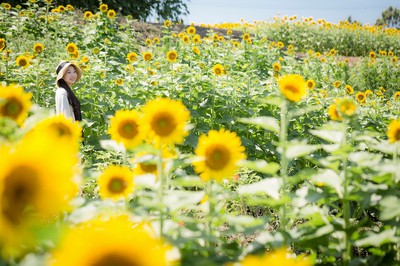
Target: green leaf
column 300, row 149
column 330, row 178
column 272, row 100
column 303, row 111
column 390, row 208
column 112, row 145
column 376, row 240
column 261, row 166
column 335, row 136
column 269, row 186
column 265, row 122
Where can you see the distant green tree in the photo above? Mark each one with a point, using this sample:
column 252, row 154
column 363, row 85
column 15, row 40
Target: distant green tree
column 390, row 18
column 139, row 9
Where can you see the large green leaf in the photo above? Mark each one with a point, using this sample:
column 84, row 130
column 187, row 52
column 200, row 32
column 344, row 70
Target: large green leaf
column 269, row 186
column 265, row 122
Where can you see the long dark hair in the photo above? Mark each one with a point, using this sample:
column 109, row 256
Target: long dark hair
column 73, row 101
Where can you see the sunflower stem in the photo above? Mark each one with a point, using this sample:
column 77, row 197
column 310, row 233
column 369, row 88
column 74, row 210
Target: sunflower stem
column 211, row 208
column 283, row 161
column 346, row 206
column 160, row 175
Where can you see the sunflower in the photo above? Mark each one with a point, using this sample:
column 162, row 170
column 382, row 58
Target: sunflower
column 132, row 56
column 88, row 15
column 246, row 36
column 117, row 241
column 280, row 257
column 333, row 113
column 349, row 89
column 70, row 7
column 347, row 107
column 36, row 183
column 125, row 128
column 293, row 87
column 196, row 38
column 116, row 182
column 14, row 103
column 191, row 30
column 396, row 95
column 310, row 84
column 372, row 55
column 395, row 59
column 147, row 56
column 276, row 66
column 7, row 6
column 167, row 23
column 332, row 52
column 394, row 131
column 336, row 84
column 23, row 61
column 196, row 50
column 61, row 128
column 220, row 151
column 119, row 82
column 186, row 39
column 103, row 7
column 85, row 59
column 38, row 47
column 71, row 48
column 156, row 40
column 172, row 56
column 361, row 97
column 164, row 121
column 2, row 43
column 218, row 70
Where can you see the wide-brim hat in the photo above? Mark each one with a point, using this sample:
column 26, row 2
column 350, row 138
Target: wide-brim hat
column 62, row 68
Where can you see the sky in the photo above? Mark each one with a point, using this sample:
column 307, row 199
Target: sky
column 219, row 11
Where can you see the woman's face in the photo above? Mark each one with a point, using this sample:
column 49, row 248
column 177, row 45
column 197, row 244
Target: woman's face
column 70, row 75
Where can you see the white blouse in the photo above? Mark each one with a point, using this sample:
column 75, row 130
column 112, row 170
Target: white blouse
column 62, row 104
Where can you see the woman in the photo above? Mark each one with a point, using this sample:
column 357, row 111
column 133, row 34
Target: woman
column 66, row 102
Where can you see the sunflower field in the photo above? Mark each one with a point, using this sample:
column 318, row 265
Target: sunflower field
column 242, row 144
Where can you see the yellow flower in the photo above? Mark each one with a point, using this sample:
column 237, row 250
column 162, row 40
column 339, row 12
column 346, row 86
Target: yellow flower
column 394, row 131
column 14, row 103
column 280, row 257
column 7, row 6
column 196, row 50
column 36, row 184
column 60, row 128
column 332, row 52
column 146, row 162
column 156, row 40
column 310, row 84
column 360, row 96
column 218, row 70
column 164, row 121
column 191, row 30
column 116, row 182
column 372, row 55
column 196, row 38
column 103, row 7
column 148, row 41
column 333, row 113
column 132, row 56
column 116, row 241
column 70, row 8
column 246, row 36
column 336, row 84
column 23, row 61
column 129, row 68
column 276, row 66
column 125, row 128
column 2, row 43
column 395, row 59
column 396, row 95
column 88, row 15
column 349, row 89
column 119, row 82
column 172, row 56
column 347, row 107
column 38, row 48
column 220, row 151
column 147, row 56
column 85, row 59
column 167, row 23
column 71, row 48
column 111, row 13
column 293, row 87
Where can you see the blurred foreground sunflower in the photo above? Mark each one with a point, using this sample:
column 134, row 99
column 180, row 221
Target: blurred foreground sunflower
column 14, row 103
